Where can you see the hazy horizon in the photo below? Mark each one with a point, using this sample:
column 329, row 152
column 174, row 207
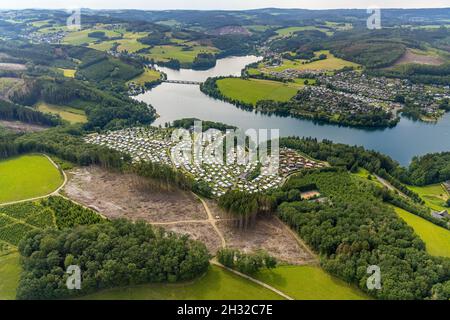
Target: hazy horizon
column 229, row 5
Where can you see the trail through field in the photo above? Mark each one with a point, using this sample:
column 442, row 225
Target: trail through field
column 263, row 284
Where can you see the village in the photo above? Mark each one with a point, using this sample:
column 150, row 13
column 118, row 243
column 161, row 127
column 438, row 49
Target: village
column 321, row 99
column 393, row 92
column 155, row 145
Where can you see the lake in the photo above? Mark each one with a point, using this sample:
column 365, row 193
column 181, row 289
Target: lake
column 177, row 101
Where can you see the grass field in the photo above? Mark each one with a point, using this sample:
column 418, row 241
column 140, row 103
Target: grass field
column 291, row 30
column 77, row 38
column 437, row 239
column 27, row 177
column 185, row 55
column 9, row 276
column 129, row 43
column 217, row 284
column 68, row 73
column 309, row 283
column 435, row 196
column 67, row 113
column 254, row 90
column 149, row 75
column 329, row 64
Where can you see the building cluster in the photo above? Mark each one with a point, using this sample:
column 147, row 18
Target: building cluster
column 426, row 98
column 47, row 37
column 220, row 173
column 323, row 99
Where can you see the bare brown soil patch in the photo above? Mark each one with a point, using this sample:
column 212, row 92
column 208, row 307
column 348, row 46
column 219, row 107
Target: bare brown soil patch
column 17, row 126
column 411, row 57
column 12, row 66
column 268, row 234
column 115, row 195
column 202, row 231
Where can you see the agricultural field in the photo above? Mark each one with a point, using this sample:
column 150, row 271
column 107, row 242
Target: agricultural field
column 437, row 239
column 435, row 196
column 128, row 42
column 148, row 76
column 254, row 90
column 18, row 219
column 185, row 54
column 309, row 283
column 27, row 177
column 217, row 284
column 331, row 63
column 81, row 37
column 10, row 272
column 69, row 114
column 291, row 30
column 68, row 73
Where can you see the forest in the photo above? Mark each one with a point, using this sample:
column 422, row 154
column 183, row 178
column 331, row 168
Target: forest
column 430, row 168
column 355, row 230
column 126, row 253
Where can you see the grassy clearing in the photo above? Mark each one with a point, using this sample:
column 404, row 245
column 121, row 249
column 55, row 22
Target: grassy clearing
column 67, row 113
column 149, row 75
column 291, row 30
column 9, row 272
column 329, row 64
column 68, row 73
column 254, row 90
column 437, row 239
column 81, row 37
column 27, row 177
column 217, row 284
column 365, row 175
column 309, row 283
column 435, row 196
column 129, row 43
column 184, row 54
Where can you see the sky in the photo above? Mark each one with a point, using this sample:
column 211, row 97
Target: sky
column 215, row 4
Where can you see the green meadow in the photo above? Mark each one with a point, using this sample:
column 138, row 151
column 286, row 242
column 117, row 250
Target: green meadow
column 435, row 196
column 149, row 75
column 437, row 239
column 10, row 273
column 217, row 284
column 69, row 114
column 254, row 90
column 27, row 177
column 185, row 54
column 309, row 283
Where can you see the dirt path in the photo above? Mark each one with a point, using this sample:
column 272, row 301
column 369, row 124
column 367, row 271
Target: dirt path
column 212, row 220
column 263, row 284
column 390, row 186
column 54, row 193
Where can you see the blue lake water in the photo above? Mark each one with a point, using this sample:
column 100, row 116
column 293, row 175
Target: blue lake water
column 177, row 101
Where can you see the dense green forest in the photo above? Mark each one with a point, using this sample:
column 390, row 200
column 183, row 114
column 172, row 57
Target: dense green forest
column 355, row 230
column 126, row 253
column 430, row 168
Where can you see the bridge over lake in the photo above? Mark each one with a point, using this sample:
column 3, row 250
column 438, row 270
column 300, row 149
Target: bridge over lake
column 183, row 82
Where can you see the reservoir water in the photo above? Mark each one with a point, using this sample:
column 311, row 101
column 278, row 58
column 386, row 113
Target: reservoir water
column 177, row 101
